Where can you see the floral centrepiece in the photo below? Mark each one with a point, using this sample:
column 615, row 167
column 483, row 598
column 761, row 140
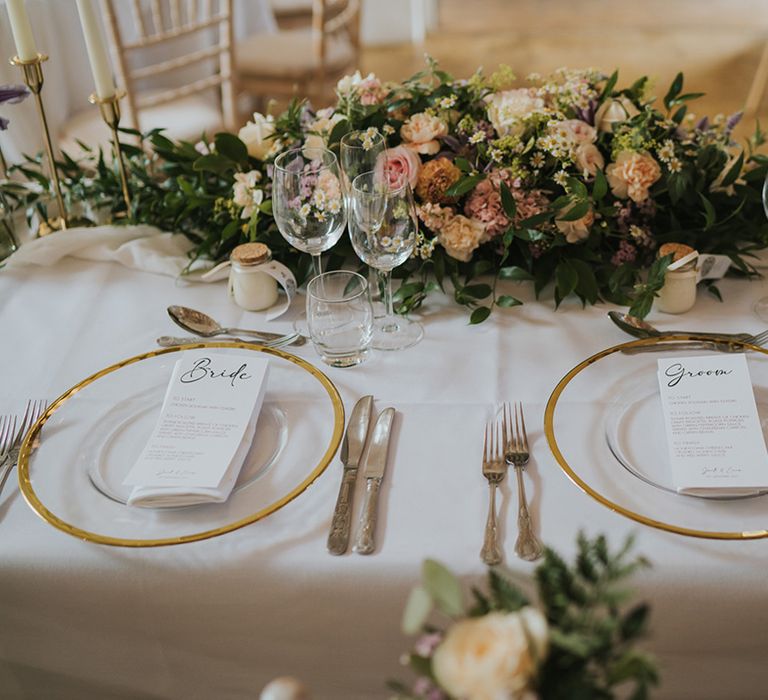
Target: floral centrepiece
column 567, row 180
column 579, row 642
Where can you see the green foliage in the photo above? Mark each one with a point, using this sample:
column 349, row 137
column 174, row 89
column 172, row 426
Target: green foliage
column 707, row 195
column 592, row 651
column 593, row 627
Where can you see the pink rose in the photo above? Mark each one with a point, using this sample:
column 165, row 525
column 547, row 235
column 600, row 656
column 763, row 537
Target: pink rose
column 579, row 132
column 588, row 159
column 421, row 132
column 370, row 91
column 632, row 175
column 398, row 163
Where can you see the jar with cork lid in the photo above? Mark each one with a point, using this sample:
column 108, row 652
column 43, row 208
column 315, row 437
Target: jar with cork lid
column 251, row 288
column 678, row 294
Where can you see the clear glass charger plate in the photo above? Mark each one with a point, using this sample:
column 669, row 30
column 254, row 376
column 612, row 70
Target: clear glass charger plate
column 604, row 425
column 73, row 461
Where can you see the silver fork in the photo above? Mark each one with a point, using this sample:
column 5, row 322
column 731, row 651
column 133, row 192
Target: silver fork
column 7, row 433
column 32, row 413
column 494, row 470
column 723, row 345
column 516, row 454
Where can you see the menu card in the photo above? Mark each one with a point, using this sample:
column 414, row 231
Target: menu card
column 714, row 436
column 203, row 432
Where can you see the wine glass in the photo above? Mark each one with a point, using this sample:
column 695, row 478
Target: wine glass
column 360, row 151
column 383, row 228
column 761, row 305
column 308, row 202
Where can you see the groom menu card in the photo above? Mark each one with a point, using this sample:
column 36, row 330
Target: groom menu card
column 210, row 409
column 714, row 436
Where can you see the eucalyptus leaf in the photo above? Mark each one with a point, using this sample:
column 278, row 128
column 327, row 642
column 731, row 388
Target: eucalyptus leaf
column 417, row 609
column 442, row 586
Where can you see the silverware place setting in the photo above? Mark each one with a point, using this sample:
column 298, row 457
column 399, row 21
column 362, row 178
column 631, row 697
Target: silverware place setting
column 202, row 325
column 12, row 434
column 505, row 444
column 373, row 462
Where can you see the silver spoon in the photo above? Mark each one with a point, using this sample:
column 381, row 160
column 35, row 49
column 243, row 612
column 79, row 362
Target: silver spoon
column 203, row 325
column 641, row 329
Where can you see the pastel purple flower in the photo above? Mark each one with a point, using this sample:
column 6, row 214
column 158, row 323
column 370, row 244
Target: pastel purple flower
column 13, row 94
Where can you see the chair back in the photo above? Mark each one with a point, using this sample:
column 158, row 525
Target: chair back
column 187, row 41
column 332, row 19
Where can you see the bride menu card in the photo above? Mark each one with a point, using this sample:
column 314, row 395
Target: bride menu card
column 210, row 401
column 714, row 435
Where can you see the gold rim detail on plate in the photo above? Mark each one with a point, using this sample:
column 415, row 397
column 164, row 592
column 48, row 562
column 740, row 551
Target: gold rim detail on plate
column 549, row 432
column 36, row 504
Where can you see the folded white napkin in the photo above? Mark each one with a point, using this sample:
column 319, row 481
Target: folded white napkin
column 176, row 496
column 140, row 247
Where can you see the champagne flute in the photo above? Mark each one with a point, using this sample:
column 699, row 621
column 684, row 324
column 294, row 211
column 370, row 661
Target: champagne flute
column 307, row 199
column 761, row 305
column 360, row 152
column 383, row 227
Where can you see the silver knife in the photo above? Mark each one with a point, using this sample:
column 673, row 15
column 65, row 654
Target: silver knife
column 351, row 452
column 375, row 464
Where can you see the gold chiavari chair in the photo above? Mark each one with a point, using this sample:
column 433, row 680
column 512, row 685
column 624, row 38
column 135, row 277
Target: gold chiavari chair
column 303, row 61
column 174, row 58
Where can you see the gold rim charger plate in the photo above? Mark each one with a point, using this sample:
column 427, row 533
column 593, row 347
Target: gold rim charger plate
column 604, row 425
column 73, row 461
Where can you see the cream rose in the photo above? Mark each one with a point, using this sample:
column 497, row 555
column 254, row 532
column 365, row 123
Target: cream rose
column 421, row 131
column 613, row 111
column 507, row 109
column 255, row 135
column 577, row 230
column 588, row 159
column 321, row 128
column 493, row 657
column 398, row 162
column 460, row 237
column 632, row 175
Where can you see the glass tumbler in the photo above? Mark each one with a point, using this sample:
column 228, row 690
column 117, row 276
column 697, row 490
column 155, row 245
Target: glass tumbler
column 340, row 317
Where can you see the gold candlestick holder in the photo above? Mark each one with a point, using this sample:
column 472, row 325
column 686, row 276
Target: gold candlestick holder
column 32, row 70
column 110, row 113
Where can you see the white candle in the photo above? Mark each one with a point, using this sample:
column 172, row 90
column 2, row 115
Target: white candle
column 22, row 30
column 97, row 50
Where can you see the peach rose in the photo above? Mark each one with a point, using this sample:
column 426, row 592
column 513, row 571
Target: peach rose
column 460, row 237
column 507, row 109
column 397, row 163
column 578, row 230
column 632, row 175
column 421, row 132
column 613, row 111
column 588, row 159
column 491, row 657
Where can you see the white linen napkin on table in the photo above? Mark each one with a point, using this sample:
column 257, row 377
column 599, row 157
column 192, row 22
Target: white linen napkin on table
column 139, row 247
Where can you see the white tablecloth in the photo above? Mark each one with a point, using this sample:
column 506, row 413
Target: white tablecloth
column 218, row 619
column 68, row 79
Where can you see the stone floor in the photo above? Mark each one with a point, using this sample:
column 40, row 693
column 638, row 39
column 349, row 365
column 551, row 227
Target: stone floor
column 716, row 43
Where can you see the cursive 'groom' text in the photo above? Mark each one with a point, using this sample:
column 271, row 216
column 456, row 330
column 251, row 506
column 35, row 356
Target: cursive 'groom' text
column 677, row 373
